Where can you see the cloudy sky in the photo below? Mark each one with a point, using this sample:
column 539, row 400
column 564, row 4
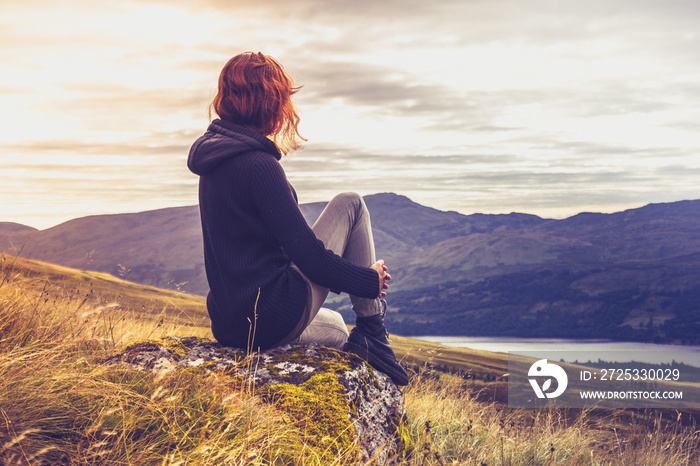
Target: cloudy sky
column 546, row 107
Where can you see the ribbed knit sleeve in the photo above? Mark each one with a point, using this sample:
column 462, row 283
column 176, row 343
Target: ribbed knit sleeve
column 281, row 214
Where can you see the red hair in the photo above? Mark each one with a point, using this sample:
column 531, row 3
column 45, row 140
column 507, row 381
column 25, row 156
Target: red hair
column 255, row 92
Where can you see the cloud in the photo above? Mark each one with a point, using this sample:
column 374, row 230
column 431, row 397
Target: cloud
column 467, row 105
column 151, row 146
column 383, row 88
column 492, row 182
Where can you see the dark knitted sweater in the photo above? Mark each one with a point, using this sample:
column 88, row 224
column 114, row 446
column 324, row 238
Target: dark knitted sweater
column 253, row 231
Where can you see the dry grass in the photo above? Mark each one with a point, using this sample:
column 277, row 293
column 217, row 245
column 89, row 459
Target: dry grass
column 59, row 405
column 448, row 425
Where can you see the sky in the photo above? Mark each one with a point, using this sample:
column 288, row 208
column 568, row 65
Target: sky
column 549, row 107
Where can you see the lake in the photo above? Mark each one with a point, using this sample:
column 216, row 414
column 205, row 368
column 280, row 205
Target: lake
column 584, row 349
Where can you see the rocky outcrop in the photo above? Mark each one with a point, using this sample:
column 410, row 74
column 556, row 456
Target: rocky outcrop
column 335, row 396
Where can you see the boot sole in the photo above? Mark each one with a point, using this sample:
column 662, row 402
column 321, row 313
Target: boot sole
column 397, row 377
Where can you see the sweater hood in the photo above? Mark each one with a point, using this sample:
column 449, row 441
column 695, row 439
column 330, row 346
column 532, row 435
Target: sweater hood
column 223, row 140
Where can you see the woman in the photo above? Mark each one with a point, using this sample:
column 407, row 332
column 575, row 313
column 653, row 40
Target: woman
column 268, row 271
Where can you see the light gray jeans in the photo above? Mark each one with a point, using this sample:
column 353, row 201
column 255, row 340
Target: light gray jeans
column 344, row 227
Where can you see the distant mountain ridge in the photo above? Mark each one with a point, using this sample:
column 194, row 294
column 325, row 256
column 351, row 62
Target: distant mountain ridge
column 629, row 275
column 11, row 228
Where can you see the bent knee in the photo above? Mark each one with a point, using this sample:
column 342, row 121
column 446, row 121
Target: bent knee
column 350, row 199
column 327, row 329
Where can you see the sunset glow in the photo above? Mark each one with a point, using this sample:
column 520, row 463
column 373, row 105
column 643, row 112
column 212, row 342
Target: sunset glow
column 549, row 108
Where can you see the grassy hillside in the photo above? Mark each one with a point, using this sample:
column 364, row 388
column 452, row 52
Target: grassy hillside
column 104, row 295
column 60, row 405
column 630, row 275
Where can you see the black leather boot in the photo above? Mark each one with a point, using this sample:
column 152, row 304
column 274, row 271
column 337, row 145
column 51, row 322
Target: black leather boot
column 369, row 341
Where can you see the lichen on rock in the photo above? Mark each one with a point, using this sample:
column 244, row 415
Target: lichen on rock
column 336, row 398
column 320, row 409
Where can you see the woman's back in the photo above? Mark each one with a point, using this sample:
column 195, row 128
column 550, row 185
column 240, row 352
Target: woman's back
column 241, row 254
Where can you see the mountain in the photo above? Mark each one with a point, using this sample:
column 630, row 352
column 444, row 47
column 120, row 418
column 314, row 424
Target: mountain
column 632, row 275
column 629, row 275
column 11, row 228
column 160, row 248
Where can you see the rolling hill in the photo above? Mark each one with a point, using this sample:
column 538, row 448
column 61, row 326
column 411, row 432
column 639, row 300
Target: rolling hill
column 632, row 275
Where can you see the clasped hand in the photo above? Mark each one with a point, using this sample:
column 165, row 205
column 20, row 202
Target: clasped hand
column 383, row 276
